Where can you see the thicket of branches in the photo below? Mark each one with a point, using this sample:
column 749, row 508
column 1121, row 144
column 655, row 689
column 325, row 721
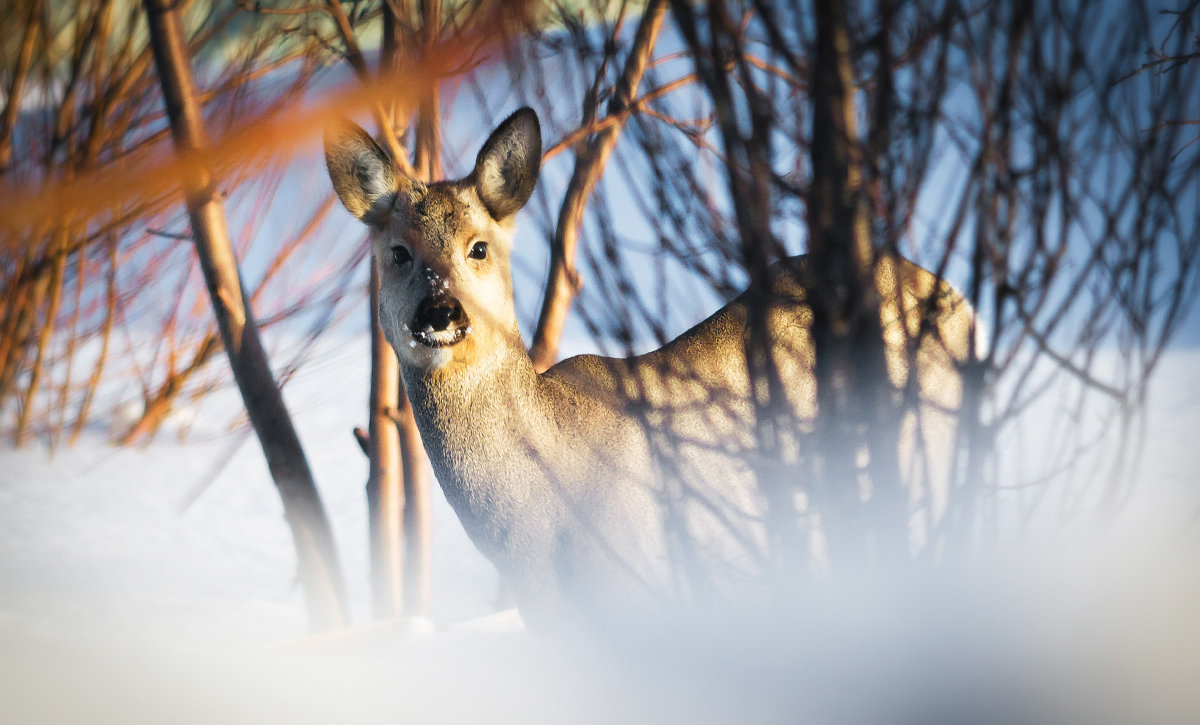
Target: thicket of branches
column 1041, row 156
column 99, row 268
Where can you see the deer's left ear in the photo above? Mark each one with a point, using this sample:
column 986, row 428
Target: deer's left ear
column 508, row 164
column 360, row 170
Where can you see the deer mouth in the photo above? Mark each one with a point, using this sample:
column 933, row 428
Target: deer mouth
column 440, row 338
column 440, row 321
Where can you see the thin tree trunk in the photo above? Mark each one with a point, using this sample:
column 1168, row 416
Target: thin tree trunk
column 10, row 311
column 64, row 393
column 853, row 388
column 320, row 571
column 385, row 489
column 385, row 482
column 418, row 524
column 21, row 312
column 398, row 485
column 57, row 273
column 110, row 315
column 563, row 283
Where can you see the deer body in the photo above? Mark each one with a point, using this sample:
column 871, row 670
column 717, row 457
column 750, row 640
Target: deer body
column 602, row 481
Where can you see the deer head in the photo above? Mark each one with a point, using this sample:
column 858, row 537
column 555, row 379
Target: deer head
column 442, row 249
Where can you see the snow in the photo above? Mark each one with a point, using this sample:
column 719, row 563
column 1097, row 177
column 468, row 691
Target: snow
column 158, row 584
column 189, row 537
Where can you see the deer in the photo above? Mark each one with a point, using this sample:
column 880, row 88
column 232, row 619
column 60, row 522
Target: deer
column 588, row 484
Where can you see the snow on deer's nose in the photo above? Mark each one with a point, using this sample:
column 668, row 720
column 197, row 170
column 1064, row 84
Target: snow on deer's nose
column 437, row 282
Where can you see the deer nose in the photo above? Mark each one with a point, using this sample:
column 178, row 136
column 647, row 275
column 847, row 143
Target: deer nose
column 437, row 313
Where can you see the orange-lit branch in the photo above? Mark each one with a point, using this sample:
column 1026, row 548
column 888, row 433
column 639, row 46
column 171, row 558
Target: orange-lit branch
column 155, row 172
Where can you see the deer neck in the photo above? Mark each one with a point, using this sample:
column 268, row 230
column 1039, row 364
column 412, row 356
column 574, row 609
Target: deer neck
column 465, row 402
column 477, row 423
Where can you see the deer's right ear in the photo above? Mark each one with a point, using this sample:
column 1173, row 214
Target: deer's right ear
column 361, row 171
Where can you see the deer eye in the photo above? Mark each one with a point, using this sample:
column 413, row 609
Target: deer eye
column 478, row 250
column 401, row 256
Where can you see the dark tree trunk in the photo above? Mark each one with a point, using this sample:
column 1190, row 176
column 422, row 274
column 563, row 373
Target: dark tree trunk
column 320, row 571
column 857, row 419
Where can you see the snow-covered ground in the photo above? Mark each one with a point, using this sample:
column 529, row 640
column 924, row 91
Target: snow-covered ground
column 189, row 537
column 158, row 585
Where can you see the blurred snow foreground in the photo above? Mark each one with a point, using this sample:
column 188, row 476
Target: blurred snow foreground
column 157, row 585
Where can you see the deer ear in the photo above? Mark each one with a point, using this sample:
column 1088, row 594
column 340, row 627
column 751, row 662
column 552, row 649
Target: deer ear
column 507, row 166
column 361, row 171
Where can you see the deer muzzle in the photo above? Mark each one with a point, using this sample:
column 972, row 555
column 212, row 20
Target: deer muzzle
column 440, row 321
